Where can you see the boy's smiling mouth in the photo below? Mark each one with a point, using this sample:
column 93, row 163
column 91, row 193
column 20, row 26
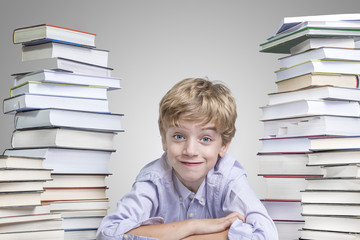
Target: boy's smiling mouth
column 191, row 164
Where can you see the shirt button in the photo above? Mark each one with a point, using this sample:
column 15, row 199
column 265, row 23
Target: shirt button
column 191, row 196
column 180, row 198
column 191, row 215
column 126, row 236
column 202, row 200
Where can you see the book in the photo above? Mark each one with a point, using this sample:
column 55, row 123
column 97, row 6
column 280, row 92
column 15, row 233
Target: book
column 326, row 209
column 282, row 43
column 327, row 235
column 45, row 32
column 32, row 101
column 62, row 137
column 283, row 210
column 311, row 126
column 313, row 43
column 68, row 160
column 20, row 162
column 48, row 50
column 79, row 205
column 288, row 229
column 322, row 53
column 24, row 210
column 31, row 226
column 21, row 198
column 284, row 187
column 303, row 108
column 45, row 234
column 327, row 196
column 342, row 184
column 334, row 143
column 319, row 66
column 288, row 22
column 76, row 180
column 288, row 164
column 79, row 223
column 58, row 89
column 326, row 158
column 67, row 118
column 318, row 79
column 80, row 234
column 63, row 65
column 29, row 218
column 315, row 93
column 308, row 144
column 22, row 186
column 24, row 174
column 330, row 223
column 68, row 78
column 323, row 24
column 66, row 194
column 83, row 213
column 342, row 171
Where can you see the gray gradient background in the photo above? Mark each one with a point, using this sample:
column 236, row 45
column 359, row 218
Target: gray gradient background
column 155, row 43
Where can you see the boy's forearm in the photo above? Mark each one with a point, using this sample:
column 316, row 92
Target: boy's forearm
column 166, row 231
column 212, row 236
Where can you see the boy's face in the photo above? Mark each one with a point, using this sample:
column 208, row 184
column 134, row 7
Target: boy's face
column 192, row 151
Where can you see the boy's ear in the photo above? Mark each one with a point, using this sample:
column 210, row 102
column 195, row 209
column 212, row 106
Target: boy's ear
column 224, row 148
column 163, row 141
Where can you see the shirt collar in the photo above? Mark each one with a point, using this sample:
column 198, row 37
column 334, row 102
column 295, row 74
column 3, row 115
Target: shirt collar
column 185, row 193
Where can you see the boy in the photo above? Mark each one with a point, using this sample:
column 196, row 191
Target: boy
column 195, row 190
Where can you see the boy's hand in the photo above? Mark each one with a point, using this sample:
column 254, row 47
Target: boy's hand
column 205, row 226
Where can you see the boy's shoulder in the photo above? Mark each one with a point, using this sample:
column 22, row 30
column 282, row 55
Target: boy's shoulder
column 229, row 168
column 158, row 170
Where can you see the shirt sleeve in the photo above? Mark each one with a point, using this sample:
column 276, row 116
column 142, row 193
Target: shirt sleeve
column 133, row 210
column 258, row 225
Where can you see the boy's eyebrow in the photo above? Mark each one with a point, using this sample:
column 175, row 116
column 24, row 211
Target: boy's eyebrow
column 209, row 128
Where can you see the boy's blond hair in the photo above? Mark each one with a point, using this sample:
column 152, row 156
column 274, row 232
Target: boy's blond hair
column 197, row 99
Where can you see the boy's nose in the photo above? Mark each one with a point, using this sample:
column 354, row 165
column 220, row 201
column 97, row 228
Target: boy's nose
column 190, row 147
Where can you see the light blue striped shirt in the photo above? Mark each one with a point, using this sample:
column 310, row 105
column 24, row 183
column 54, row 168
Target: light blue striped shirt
column 158, row 196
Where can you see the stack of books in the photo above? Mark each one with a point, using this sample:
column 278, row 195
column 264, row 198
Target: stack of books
column 61, row 115
column 310, row 121
column 22, row 216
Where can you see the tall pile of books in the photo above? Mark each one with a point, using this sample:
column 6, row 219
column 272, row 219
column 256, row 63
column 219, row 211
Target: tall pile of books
column 310, row 151
column 61, row 116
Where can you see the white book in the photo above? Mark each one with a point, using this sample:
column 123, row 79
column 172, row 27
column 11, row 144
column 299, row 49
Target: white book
column 319, row 66
column 331, row 223
column 57, row 89
column 315, row 93
column 327, row 235
column 68, row 78
column 32, row 101
column 24, row 210
column 303, row 108
column 340, row 184
column 328, row 158
column 322, row 53
column 77, row 53
column 45, row 32
column 63, row 64
column 314, row 43
column 308, row 144
column 67, row 160
column 288, row 164
column 62, row 137
column 333, row 197
column 68, row 118
column 311, row 126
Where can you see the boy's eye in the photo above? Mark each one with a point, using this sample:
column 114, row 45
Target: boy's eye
column 178, row 137
column 206, row 139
